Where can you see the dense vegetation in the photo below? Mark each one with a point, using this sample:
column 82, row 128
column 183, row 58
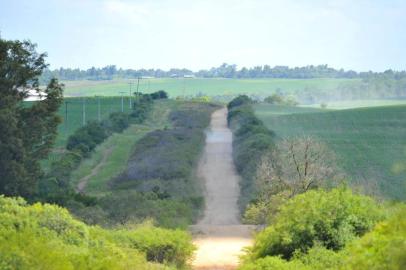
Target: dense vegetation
column 43, row 236
column 368, row 142
column 251, row 140
column 331, row 230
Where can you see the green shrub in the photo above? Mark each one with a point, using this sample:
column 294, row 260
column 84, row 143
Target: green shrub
column 124, row 206
column 320, row 258
column 238, row 101
column 251, row 140
column 161, row 94
column 43, row 236
column 87, row 138
column 327, row 218
column 118, row 121
column 382, row 248
column 160, row 245
column 273, row 263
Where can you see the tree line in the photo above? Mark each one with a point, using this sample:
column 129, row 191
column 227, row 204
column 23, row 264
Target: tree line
column 223, row 71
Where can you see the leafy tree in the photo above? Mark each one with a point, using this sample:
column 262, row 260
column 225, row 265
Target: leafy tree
column 26, row 132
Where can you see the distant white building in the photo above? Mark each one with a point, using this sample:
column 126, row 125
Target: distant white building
column 33, row 95
column 189, row 76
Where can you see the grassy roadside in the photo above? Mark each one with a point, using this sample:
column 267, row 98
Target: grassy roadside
column 122, row 145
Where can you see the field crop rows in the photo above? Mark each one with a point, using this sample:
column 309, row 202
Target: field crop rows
column 368, row 142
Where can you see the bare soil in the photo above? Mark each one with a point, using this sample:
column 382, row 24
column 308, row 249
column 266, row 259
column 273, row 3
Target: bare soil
column 219, row 235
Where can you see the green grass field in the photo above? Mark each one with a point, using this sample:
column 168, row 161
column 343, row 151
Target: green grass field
column 205, row 86
column 363, row 103
column 368, row 142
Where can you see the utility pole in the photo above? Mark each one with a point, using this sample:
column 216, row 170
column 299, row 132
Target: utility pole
column 98, row 109
column 131, row 84
column 122, row 101
column 184, row 86
column 66, row 116
column 84, row 111
column 138, row 84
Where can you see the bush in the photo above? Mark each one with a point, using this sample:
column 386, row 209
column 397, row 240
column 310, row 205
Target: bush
column 329, row 219
column 382, row 248
column 274, row 99
column 160, row 245
column 43, row 236
column 87, row 138
column 238, row 101
column 251, row 141
column 273, row 263
column 141, row 108
column 125, row 206
column 118, row 121
column 161, row 94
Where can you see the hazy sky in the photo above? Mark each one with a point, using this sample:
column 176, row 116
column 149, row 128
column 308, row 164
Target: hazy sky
column 350, row 34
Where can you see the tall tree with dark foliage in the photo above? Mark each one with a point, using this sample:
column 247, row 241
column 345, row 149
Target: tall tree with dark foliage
column 27, row 131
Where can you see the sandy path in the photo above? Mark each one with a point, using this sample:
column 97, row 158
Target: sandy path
column 219, row 236
column 82, row 182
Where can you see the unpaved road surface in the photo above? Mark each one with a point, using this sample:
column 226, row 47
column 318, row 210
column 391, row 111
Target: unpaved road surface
column 219, row 236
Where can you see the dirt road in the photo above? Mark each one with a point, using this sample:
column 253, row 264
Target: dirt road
column 219, row 236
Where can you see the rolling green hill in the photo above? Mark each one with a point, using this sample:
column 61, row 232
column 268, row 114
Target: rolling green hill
column 368, row 142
